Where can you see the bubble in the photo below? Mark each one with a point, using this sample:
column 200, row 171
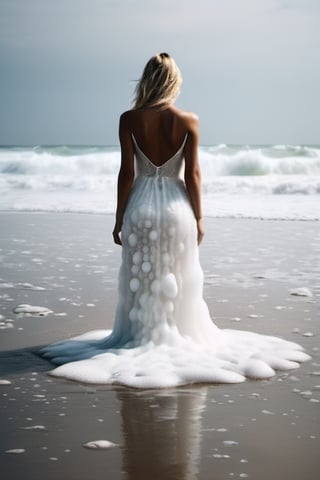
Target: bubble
column 134, row 284
column 145, row 249
column 156, row 336
column 153, row 235
column 143, row 300
column 135, row 269
column 132, row 239
column 133, row 314
column 145, row 257
column 148, row 224
column 146, row 267
column 135, row 326
column 134, row 216
column 181, row 247
column 137, row 257
column 169, row 307
column 169, row 285
column 155, row 286
column 164, row 246
column 147, row 213
column 143, row 211
column 166, row 259
column 172, row 212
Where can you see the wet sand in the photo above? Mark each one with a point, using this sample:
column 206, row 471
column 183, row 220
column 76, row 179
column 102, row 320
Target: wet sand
column 258, row 429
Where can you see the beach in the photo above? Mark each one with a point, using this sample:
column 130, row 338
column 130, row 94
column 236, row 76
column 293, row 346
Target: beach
column 260, row 275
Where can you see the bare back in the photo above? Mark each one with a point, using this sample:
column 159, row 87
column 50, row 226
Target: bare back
column 159, row 132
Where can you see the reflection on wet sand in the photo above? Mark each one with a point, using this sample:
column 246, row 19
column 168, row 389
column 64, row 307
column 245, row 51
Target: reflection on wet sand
column 162, row 433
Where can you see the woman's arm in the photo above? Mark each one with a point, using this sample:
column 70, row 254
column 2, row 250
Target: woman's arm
column 126, row 174
column 192, row 175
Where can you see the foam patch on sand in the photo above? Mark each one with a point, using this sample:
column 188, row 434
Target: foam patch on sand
column 301, row 292
column 177, row 361
column 4, row 382
column 100, row 445
column 22, row 285
column 16, row 451
column 32, row 310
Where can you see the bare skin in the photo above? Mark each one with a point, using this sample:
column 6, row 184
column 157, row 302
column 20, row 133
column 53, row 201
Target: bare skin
column 159, row 132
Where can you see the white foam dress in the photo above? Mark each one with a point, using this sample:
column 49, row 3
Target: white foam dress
column 163, row 334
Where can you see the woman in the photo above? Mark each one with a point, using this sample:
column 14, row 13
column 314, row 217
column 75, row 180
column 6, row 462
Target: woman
column 159, row 215
column 163, row 334
column 160, row 129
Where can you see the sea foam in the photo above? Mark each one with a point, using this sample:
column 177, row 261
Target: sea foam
column 271, row 182
column 237, row 355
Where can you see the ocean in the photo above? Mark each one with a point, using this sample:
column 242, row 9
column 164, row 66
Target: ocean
column 244, row 181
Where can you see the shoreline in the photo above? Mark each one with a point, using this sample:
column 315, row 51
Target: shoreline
column 205, row 216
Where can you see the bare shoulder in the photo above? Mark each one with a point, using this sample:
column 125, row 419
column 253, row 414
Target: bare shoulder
column 127, row 116
column 189, row 116
column 126, row 122
column 190, row 120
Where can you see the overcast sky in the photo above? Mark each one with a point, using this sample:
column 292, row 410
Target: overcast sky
column 250, row 68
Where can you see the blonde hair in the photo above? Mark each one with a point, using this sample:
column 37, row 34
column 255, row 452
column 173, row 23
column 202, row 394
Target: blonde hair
column 160, row 82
